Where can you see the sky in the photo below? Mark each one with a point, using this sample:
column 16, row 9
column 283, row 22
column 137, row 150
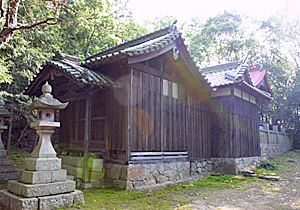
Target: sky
column 184, row 10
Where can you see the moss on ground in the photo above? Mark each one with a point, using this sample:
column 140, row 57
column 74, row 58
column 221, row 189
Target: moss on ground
column 178, row 197
column 174, row 197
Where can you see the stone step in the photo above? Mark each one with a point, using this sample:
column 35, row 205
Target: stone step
column 43, row 177
column 37, row 190
column 7, row 168
column 9, row 176
column 2, row 153
column 4, row 161
column 14, row 202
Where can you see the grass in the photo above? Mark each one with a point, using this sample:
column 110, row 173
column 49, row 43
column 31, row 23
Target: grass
column 174, row 197
column 17, row 157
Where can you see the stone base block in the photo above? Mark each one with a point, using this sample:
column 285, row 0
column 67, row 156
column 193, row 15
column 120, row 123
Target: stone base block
column 37, row 190
column 95, row 164
column 42, row 177
column 4, row 161
column 56, row 201
column 9, row 176
column 86, row 186
column 2, row 153
column 96, row 175
column 43, row 164
column 234, row 165
column 72, row 160
column 13, row 202
column 74, row 171
column 7, row 168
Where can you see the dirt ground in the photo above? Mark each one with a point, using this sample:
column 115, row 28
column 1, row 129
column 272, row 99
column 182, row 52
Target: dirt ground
column 283, row 194
column 254, row 194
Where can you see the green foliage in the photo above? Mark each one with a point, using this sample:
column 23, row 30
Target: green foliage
column 81, row 28
column 267, row 164
column 221, row 39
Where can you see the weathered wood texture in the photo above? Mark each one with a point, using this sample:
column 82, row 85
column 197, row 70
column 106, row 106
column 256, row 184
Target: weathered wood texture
column 235, row 129
column 73, row 124
column 116, row 113
column 198, row 128
column 160, row 122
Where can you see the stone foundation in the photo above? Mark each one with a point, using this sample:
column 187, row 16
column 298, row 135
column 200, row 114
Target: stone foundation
column 132, row 176
column 234, row 165
column 74, row 166
column 273, row 150
column 136, row 176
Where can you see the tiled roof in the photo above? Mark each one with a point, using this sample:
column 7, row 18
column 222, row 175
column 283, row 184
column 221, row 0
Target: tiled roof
column 83, row 75
column 77, row 73
column 230, row 73
column 145, row 44
column 224, row 74
column 264, row 93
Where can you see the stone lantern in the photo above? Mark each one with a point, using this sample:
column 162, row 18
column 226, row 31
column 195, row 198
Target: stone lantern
column 7, row 170
column 45, row 125
column 43, row 184
column 3, row 114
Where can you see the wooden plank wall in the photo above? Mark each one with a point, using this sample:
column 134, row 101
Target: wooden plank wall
column 235, row 129
column 73, row 120
column 116, row 113
column 183, row 125
column 198, row 128
column 145, row 112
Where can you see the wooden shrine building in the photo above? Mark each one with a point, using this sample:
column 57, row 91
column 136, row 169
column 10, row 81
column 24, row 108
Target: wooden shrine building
column 146, row 112
column 235, row 130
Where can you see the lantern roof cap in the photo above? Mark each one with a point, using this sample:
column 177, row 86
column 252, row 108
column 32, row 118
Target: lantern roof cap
column 46, row 100
column 3, row 112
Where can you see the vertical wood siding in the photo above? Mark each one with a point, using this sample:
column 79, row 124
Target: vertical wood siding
column 235, row 129
column 164, row 123
column 198, row 128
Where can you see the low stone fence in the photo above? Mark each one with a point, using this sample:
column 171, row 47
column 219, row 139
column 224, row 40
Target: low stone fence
column 274, row 141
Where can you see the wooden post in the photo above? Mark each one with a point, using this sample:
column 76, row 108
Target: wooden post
column 266, row 127
column 161, row 109
column 87, row 136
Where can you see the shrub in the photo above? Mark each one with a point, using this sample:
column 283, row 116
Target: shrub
column 268, row 165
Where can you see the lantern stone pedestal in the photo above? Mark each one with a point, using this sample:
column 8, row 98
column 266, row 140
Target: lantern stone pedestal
column 43, row 184
column 7, row 170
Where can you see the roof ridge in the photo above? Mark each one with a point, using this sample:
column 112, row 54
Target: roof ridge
column 64, row 56
column 221, row 66
column 136, row 41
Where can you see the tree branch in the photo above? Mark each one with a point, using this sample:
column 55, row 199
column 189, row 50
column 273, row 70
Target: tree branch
column 35, row 24
column 2, row 17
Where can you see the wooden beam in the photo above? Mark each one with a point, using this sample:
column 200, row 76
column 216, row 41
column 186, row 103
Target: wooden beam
column 148, row 56
column 87, row 136
column 152, row 71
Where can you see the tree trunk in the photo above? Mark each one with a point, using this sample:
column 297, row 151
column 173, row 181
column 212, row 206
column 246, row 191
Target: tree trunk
column 11, row 22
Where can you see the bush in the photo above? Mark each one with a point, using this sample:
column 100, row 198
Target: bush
column 268, row 165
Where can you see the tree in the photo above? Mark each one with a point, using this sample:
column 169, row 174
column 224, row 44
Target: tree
column 221, row 39
column 13, row 23
column 282, row 60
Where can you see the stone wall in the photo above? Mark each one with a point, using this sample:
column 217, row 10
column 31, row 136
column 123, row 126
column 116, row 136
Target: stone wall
column 275, row 141
column 132, row 176
column 74, row 166
column 135, row 176
column 234, row 165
